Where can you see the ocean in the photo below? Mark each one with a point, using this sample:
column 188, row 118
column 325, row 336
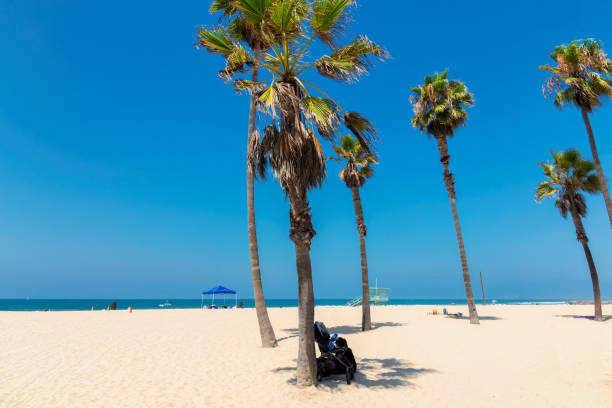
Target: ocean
column 98, row 304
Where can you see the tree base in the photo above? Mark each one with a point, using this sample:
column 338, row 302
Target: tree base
column 305, row 383
column 269, row 343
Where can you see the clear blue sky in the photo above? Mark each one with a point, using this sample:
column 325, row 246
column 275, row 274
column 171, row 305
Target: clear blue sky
column 122, row 157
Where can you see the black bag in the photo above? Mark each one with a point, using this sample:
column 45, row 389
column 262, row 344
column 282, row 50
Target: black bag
column 348, row 353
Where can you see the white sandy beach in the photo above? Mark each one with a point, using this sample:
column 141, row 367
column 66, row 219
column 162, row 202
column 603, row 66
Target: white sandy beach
column 520, row 356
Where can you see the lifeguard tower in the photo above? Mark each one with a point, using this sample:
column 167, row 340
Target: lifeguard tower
column 378, row 296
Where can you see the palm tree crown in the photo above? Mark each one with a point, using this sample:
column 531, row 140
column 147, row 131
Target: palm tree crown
column 358, row 162
column 567, row 177
column 439, row 105
column 289, row 143
column 581, row 75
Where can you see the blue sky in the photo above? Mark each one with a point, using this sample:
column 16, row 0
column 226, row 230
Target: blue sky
column 122, row 158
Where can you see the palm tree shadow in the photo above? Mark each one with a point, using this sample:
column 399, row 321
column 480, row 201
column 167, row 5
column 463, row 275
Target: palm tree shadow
column 382, row 373
column 342, row 329
column 379, row 373
column 357, row 329
column 294, row 334
column 479, row 317
column 605, row 318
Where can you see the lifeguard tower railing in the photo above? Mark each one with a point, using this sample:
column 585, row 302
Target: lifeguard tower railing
column 378, row 296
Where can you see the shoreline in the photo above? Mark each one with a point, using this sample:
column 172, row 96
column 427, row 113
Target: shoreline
column 57, row 305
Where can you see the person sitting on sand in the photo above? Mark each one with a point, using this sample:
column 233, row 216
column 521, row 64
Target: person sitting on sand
column 458, row 314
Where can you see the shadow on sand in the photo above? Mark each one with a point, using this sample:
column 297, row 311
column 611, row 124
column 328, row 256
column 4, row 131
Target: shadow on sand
column 371, row 373
column 357, row 329
column 342, row 330
column 479, row 317
column 294, row 331
column 605, row 318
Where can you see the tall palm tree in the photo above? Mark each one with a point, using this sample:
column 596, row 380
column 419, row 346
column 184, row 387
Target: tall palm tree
column 439, row 109
column 289, row 144
column 581, row 77
column 245, row 23
column 354, row 174
column 566, row 178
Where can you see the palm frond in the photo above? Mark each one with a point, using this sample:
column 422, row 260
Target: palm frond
column 235, row 30
column 329, row 19
column 272, row 59
column 324, row 112
column 362, row 128
column 349, row 63
column 268, row 98
column 239, row 60
column 592, row 183
column 286, row 18
column 216, row 40
column 226, row 6
column 367, row 171
column 348, row 144
column 545, row 189
column 254, row 11
column 245, row 85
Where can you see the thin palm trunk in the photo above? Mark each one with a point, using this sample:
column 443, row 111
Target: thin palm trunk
column 450, row 187
column 266, row 332
column 366, row 320
column 600, row 173
column 584, row 240
column 301, row 235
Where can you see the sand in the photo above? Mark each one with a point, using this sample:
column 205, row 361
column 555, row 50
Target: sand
column 520, row 356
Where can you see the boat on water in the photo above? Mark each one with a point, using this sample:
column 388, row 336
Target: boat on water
column 165, row 304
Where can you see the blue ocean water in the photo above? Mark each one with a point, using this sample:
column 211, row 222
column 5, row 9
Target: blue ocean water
column 97, row 304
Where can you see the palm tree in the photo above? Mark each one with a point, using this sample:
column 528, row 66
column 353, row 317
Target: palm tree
column 439, row 109
column 581, row 77
column 245, row 20
column 289, row 144
column 358, row 168
column 566, row 178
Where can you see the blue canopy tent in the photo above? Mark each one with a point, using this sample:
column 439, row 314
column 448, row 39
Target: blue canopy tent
column 219, row 290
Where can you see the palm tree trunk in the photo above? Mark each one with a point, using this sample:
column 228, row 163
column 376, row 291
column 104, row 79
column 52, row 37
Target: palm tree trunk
column 582, row 237
column 301, row 234
column 266, row 332
column 450, row 187
column 366, row 320
column 600, row 173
